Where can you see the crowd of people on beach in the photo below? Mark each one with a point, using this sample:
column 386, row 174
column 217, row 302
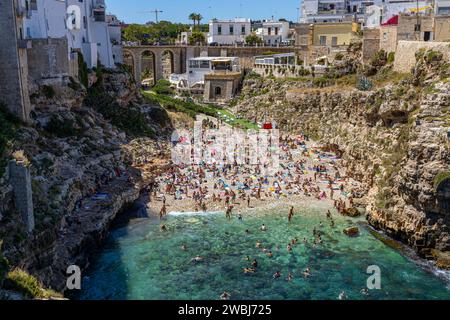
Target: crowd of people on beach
column 305, row 171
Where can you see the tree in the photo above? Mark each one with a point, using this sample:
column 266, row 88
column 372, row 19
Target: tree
column 253, row 39
column 197, row 38
column 193, row 17
column 199, row 18
column 196, row 18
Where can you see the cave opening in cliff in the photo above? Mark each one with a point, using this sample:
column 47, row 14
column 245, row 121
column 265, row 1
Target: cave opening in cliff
column 443, row 196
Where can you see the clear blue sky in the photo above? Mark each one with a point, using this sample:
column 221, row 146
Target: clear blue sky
column 132, row 11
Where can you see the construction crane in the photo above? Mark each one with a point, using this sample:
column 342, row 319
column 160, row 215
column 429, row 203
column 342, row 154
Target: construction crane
column 156, row 12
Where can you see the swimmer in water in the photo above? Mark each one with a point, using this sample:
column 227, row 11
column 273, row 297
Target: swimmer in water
column 255, row 263
column 263, row 227
column 289, row 248
column 163, row 227
column 364, row 291
column 258, row 244
column 342, row 296
column 276, row 275
column 269, row 254
column 306, row 272
column 289, row 277
column 225, row 296
column 197, row 259
column 183, row 247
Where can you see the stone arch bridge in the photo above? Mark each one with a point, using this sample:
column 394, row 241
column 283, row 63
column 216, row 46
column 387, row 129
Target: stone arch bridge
column 178, row 56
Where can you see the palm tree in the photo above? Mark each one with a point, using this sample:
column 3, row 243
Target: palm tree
column 193, row 17
column 199, row 18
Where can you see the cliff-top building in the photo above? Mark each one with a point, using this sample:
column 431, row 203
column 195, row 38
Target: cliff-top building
column 228, row 32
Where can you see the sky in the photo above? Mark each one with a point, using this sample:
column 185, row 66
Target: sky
column 138, row 11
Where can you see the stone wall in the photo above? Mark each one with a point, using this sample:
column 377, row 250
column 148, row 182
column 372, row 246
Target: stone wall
column 405, row 58
column 13, row 71
column 371, row 43
column 20, row 179
column 48, row 58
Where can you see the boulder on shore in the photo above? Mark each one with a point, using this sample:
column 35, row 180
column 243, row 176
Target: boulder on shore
column 351, row 212
column 352, row 231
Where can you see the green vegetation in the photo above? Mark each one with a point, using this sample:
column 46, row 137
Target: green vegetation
column 391, row 57
column 82, row 71
column 196, row 18
column 163, row 32
column 440, row 177
column 339, row 56
column 192, row 109
column 28, row 285
column 4, row 264
column 196, row 38
column 48, row 91
column 64, row 128
column 253, row 39
column 128, row 119
column 8, row 126
column 162, row 86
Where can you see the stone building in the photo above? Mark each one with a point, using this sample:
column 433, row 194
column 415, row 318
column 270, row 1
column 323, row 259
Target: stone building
column 221, row 86
column 324, row 39
column 13, row 54
column 414, row 28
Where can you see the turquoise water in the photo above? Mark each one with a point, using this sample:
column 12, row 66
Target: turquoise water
column 141, row 262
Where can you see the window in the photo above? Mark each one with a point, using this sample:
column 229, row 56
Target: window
column 269, row 31
column 242, row 29
column 276, row 31
column 84, row 22
column 417, row 27
column 204, row 64
column 231, row 29
column 427, row 36
column 323, row 40
column 217, row 91
column 334, row 41
column 219, row 29
column 33, row 5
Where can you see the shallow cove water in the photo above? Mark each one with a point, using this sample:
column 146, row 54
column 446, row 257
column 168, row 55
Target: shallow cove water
column 139, row 261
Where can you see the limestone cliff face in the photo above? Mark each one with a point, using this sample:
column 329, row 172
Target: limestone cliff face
column 75, row 150
column 392, row 139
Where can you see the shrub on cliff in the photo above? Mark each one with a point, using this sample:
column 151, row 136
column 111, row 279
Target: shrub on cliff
column 8, row 126
column 440, row 177
column 27, row 285
column 128, row 119
column 82, row 70
column 4, row 265
column 162, row 86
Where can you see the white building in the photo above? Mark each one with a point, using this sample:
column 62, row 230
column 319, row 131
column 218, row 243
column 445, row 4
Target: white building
column 198, row 67
column 273, row 32
column 333, row 10
column 44, row 19
column 381, row 11
column 47, row 19
column 442, row 6
column 115, row 34
column 229, row 32
column 92, row 39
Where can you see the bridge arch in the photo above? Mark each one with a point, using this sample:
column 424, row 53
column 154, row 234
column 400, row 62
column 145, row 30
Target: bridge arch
column 129, row 59
column 148, row 69
column 168, row 63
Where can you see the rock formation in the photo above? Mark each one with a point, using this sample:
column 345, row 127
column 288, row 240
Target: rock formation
column 393, row 139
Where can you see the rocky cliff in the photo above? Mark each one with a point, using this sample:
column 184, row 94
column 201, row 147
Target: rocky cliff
column 82, row 142
column 393, row 138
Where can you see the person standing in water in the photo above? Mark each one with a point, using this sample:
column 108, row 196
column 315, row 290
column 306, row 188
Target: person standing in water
column 291, row 213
